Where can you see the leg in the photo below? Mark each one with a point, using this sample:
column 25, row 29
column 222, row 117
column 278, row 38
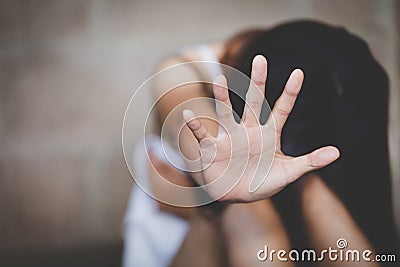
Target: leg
column 201, row 246
column 248, row 228
column 327, row 220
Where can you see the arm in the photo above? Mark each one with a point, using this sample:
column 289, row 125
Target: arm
column 172, row 102
column 242, row 163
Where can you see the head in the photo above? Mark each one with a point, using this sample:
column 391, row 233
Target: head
column 343, row 102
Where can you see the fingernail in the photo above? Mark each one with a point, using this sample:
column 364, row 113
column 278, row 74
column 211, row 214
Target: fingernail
column 324, row 157
column 297, row 75
column 258, row 60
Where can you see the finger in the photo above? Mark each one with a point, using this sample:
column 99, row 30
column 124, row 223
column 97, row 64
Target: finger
column 255, row 94
column 223, row 106
column 194, row 124
column 285, row 102
column 315, row 160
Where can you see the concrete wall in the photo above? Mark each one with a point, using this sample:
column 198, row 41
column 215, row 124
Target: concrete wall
column 67, row 71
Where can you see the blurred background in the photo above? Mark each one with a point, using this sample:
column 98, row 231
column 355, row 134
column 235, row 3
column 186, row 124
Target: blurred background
column 67, row 72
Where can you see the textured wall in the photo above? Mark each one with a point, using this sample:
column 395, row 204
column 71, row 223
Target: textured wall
column 67, row 71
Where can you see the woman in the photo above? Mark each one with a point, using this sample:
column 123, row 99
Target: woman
column 342, row 82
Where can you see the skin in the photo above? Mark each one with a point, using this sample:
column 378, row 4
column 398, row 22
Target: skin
column 265, row 221
column 323, row 210
column 228, row 163
column 199, row 139
column 239, row 241
column 260, row 224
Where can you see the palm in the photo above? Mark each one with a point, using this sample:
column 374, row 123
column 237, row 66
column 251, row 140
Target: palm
column 244, row 161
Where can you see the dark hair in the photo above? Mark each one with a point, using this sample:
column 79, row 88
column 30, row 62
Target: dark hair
column 343, row 102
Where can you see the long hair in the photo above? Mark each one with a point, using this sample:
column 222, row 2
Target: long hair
column 344, row 102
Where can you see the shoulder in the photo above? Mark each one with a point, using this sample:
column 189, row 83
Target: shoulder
column 173, row 71
column 179, row 57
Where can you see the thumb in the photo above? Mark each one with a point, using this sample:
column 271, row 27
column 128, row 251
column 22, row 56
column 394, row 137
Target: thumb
column 313, row 161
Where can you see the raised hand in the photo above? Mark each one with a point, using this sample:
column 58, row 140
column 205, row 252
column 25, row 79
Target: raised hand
column 244, row 162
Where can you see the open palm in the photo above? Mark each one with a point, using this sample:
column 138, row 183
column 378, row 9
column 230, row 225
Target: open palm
column 244, row 162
